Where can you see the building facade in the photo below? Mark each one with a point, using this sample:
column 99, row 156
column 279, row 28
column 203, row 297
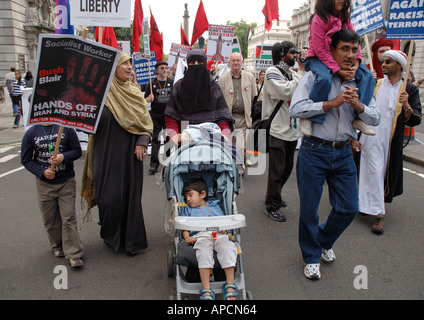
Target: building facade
column 21, row 21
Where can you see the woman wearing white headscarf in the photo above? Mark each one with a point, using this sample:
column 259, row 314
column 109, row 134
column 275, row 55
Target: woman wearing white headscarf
column 113, row 171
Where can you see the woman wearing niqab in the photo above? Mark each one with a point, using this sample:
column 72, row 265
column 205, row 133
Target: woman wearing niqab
column 113, row 170
column 196, row 98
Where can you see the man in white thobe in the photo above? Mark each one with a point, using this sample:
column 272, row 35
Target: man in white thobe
column 380, row 176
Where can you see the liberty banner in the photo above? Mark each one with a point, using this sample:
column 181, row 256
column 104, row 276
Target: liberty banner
column 71, row 82
column 406, row 20
column 110, row 13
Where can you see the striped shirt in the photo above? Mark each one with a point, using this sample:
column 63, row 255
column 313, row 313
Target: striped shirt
column 17, row 90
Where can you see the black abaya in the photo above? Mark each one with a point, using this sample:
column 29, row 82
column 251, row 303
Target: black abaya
column 118, row 182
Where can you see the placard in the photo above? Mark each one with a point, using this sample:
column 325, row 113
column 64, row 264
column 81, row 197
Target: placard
column 406, row 20
column 101, row 13
column 72, row 80
column 366, row 16
column 220, row 42
column 141, row 64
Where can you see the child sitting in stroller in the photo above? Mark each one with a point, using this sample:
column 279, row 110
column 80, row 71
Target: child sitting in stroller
column 195, row 192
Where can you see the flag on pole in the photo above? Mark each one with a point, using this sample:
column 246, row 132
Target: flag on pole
column 63, row 18
column 249, row 34
column 108, row 37
column 270, row 12
column 201, row 23
column 156, row 42
column 184, row 39
column 137, row 25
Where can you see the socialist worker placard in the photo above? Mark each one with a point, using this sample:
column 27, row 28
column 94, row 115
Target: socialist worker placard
column 72, row 80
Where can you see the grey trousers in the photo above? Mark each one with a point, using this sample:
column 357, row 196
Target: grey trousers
column 57, row 205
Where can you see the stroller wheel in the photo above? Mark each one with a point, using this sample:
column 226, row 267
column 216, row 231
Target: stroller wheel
column 170, row 264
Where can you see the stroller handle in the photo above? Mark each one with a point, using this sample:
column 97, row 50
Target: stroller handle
column 210, row 223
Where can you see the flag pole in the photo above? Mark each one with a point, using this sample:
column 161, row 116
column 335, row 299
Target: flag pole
column 262, row 45
column 408, row 64
column 60, row 131
column 150, row 76
column 367, row 46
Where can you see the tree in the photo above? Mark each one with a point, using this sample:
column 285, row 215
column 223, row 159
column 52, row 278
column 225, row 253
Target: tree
column 125, row 34
column 241, row 30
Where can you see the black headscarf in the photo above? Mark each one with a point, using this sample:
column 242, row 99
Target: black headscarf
column 197, row 97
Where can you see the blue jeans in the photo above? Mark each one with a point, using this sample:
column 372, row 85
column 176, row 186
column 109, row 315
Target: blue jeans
column 317, row 164
column 364, row 79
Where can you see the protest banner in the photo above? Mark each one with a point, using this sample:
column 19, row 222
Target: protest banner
column 220, row 42
column 177, row 51
column 366, row 16
column 109, row 13
column 406, row 20
column 146, row 36
column 144, row 67
column 72, row 80
column 263, row 57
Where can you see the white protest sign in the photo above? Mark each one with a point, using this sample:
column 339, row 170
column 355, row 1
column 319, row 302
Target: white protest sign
column 146, row 38
column 177, row 51
column 102, row 13
column 220, row 42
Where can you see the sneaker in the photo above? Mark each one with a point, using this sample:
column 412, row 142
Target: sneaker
column 77, row 262
column 58, row 253
column 248, row 163
column 305, row 127
column 360, row 125
column 328, row 255
column 311, row 271
column 378, row 225
column 275, row 215
column 15, row 126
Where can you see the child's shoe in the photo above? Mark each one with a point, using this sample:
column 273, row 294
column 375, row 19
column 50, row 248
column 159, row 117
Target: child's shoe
column 360, row 125
column 305, row 127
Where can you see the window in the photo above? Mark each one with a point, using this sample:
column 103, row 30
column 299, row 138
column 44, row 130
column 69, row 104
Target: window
column 21, row 62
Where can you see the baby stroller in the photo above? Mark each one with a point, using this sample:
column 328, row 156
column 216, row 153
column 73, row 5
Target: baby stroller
column 214, row 163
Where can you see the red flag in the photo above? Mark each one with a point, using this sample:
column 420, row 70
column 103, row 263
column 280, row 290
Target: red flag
column 270, row 11
column 184, row 39
column 108, row 37
column 137, row 25
column 156, row 42
column 201, row 23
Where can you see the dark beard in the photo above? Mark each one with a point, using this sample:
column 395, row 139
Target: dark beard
column 291, row 63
